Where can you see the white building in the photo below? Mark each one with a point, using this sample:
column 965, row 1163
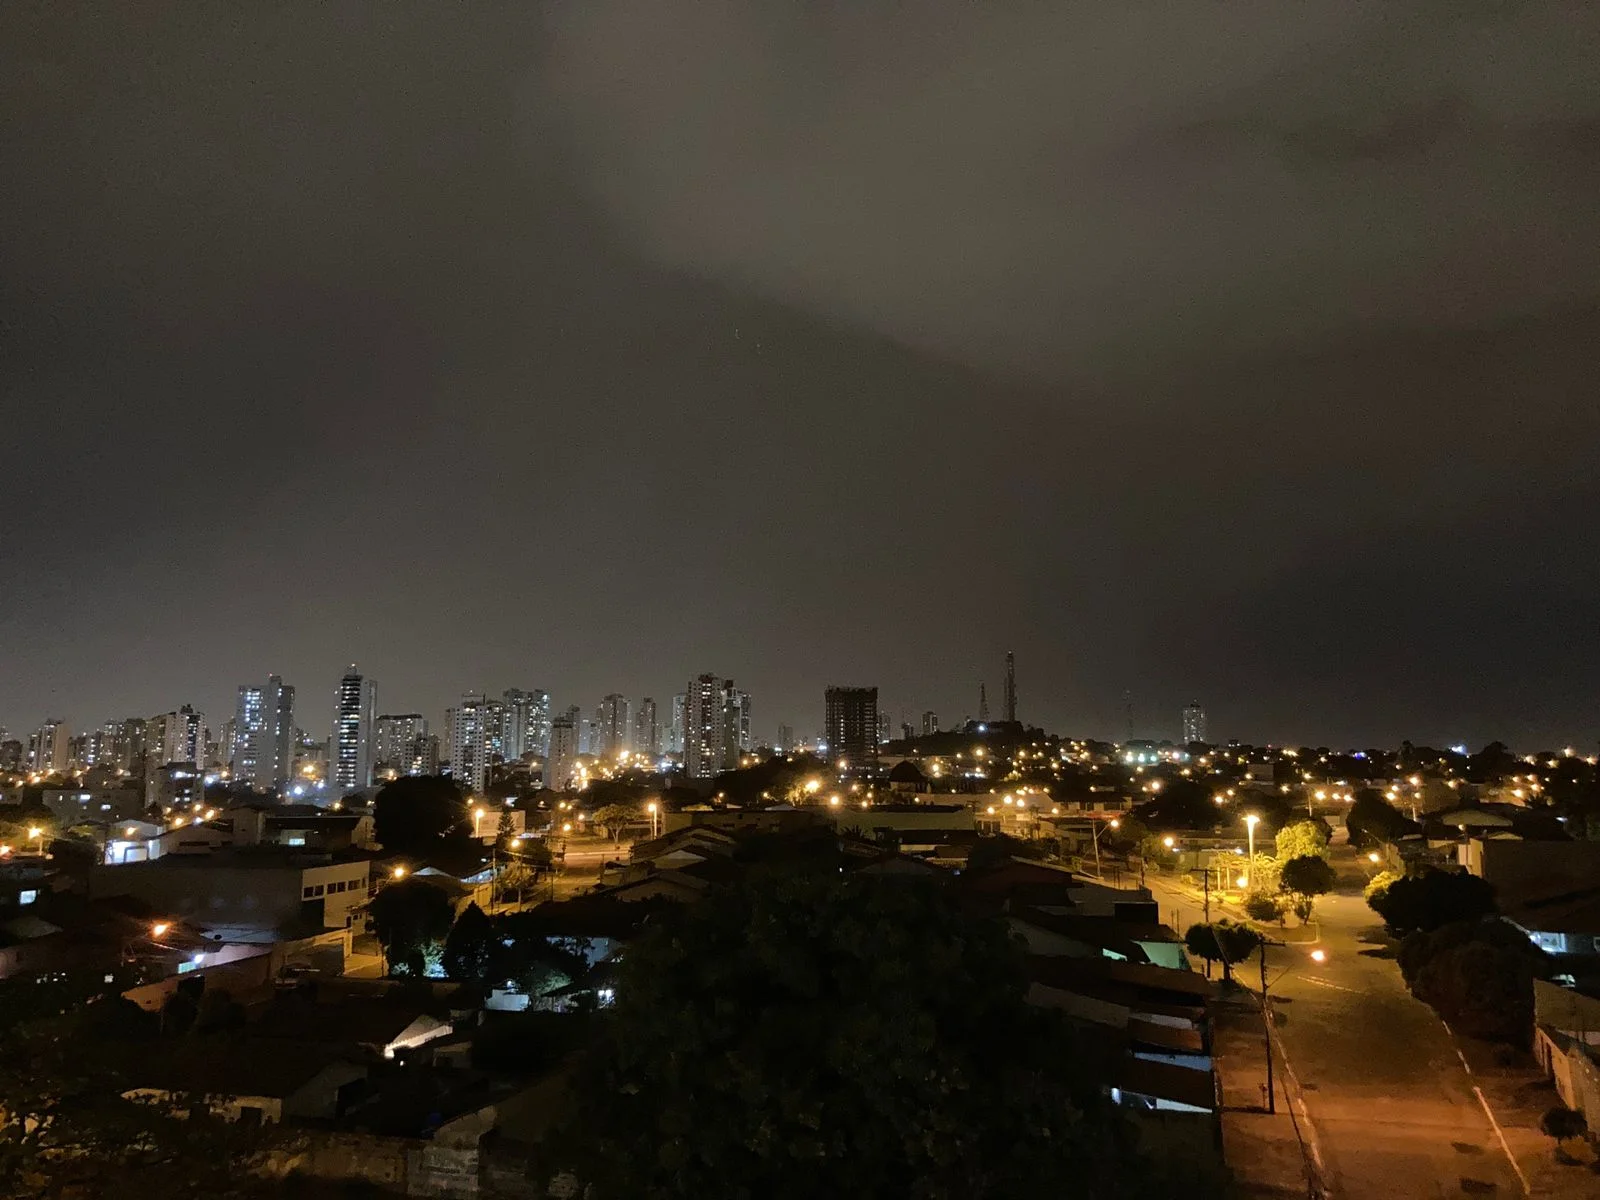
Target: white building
column 527, row 728
column 1194, row 722
column 48, row 749
column 479, row 731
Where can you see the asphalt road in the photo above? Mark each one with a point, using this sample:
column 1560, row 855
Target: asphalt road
column 1391, row 1104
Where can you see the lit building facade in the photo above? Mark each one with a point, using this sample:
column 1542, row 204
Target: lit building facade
column 527, row 725
column 705, row 740
column 394, row 743
column 561, row 764
column 1194, row 722
column 350, row 745
column 850, row 726
column 260, row 749
column 615, row 734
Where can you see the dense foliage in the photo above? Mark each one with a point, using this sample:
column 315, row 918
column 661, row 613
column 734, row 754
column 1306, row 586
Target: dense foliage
column 1432, row 898
column 808, row 1036
column 411, row 920
column 1478, row 975
column 1222, row 941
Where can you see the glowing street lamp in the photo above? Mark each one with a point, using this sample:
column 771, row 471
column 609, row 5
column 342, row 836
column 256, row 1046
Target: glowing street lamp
column 398, row 872
column 1250, row 821
column 160, row 927
column 653, row 809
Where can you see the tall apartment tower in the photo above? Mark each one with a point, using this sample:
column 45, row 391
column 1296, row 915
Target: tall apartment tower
column 615, row 734
column 48, row 748
column 350, row 744
column 261, row 749
column 527, row 723
column 850, row 722
column 1011, row 686
column 1194, row 722
column 676, row 727
column 705, row 740
column 930, row 723
column 646, row 729
column 480, row 740
column 562, row 762
column 183, row 737
column 394, row 742
column 735, row 723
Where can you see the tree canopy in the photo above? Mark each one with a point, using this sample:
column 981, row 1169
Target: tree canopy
column 411, row 920
column 1222, row 941
column 1303, row 839
column 411, row 814
column 813, row 1036
column 1478, row 975
column 1432, row 899
column 1308, row 874
column 468, row 947
column 614, row 818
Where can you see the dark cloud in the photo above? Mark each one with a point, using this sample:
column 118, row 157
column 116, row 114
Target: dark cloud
column 1238, row 351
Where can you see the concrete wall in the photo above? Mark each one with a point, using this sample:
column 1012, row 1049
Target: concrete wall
column 1567, row 1011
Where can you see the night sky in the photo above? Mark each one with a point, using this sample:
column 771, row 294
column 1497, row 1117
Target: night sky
column 1240, row 352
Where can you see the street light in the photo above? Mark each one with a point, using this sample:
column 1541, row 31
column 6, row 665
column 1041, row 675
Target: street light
column 1094, row 830
column 398, row 872
column 1250, row 821
column 159, row 928
column 653, row 808
column 36, row 833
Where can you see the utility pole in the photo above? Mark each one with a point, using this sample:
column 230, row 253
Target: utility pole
column 1266, row 1027
column 1208, row 896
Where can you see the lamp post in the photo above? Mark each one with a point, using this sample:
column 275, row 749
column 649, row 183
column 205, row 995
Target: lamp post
column 1094, row 832
column 1250, row 821
column 1317, row 955
column 654, row 810
column 36, row 834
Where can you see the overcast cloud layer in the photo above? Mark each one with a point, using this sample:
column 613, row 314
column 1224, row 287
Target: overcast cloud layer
column 1241, row 352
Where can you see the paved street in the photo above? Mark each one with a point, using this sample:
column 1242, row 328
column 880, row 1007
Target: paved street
column 1391, row 1104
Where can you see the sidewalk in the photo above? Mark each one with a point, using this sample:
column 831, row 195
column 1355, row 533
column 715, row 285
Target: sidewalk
column 1264, row 1150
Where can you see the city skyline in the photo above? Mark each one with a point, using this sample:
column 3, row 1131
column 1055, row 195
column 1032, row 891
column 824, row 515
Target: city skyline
column 1275, row 392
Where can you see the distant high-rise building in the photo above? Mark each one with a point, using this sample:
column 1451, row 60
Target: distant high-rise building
column 930, row 723
column 101, row 748
column 183, row 737
column 1011, row 686
column 646, row 729
column 675, row 731
column 479, row 740
column 355, row 707
column 424, row 758
column 561, row 764
column 12, row 752
column 885, row 728
column 1194, row 722
column 260, row 745
column 735, row 723
column 983, row 702
column 49, row 749
column 705, row 742
column 785, row 738
column 615, row 726
column 131, row 745
column 394, row 742
column 850, row 720
column 527, row 723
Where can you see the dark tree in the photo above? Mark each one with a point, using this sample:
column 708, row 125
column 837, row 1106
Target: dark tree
column 1222, row 941
column 409, row 919
column 812, row 1036
column 989, row 852
column 1372, row 821
column 1310, row 875
column 1478, row 975
column 413, row 813
column 1432, row 899
column 467, row 948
